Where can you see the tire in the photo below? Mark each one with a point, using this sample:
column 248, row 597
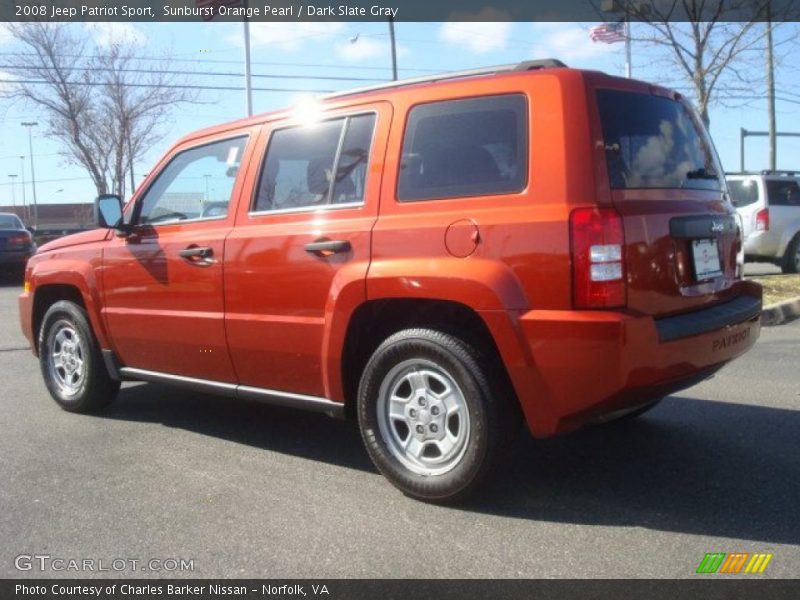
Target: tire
column 445, row 429
column 71, row 363
column 631, row 415
column 791, row 260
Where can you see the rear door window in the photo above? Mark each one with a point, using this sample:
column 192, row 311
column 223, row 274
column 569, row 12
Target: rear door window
column 472, row 147
column 655, row 142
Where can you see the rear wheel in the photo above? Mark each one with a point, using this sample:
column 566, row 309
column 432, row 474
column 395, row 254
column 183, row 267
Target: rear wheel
column 428, row 415
column 71, row 362
column 791, row 260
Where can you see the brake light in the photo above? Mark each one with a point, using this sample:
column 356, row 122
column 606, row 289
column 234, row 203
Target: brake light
column 19, row 240
column 762, row 220
column 598, row 266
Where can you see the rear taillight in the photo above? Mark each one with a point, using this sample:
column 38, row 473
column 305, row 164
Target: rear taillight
column 19, row 240
column 598, row 265
column 762, row 220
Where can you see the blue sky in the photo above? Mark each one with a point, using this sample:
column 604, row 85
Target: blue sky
column 361, row 50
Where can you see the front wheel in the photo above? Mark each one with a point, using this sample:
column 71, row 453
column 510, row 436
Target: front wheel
column 428, row 415
column 71, row 362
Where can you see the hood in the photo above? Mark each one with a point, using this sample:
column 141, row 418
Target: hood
column 84, row 237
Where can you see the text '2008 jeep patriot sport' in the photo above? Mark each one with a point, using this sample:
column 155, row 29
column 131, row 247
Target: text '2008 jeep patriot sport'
column 436, row 257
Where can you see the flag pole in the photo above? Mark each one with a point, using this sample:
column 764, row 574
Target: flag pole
column 627, row 46
column 248, row 83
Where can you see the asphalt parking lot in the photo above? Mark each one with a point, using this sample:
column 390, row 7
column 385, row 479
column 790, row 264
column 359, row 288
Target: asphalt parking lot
column 246, row 490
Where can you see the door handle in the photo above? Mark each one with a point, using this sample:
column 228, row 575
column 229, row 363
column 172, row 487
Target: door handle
column 198, row 255
column 326, row 247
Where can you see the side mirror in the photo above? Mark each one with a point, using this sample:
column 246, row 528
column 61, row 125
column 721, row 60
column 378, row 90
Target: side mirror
column 108, row 211
column 31, row 230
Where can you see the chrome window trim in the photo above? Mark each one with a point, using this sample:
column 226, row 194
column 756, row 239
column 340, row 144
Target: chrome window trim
column 306, row 209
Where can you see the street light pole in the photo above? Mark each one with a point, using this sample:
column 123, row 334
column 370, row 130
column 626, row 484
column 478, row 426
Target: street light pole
column 24, row 199
column 30, row 125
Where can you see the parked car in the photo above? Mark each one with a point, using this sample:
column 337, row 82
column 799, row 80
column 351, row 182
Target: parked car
column 769, row 204
column 435, row 258
column 16, row 242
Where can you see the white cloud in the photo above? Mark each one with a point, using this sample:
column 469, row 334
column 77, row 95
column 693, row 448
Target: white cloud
column 568, row 42
column 478, row 36
column 110, row 33
column 290, row 37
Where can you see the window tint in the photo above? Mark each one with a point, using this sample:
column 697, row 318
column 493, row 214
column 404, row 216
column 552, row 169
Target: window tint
column 301, row 163
column 196, row 184
column 655, row 142
column 743, row 191
column 465, row 148
column 783, row 193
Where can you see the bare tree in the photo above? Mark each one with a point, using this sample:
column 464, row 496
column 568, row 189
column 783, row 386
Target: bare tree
column 100, row 101
column 714, row 46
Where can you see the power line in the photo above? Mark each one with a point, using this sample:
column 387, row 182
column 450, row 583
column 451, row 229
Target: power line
column 57, row 180
column 236, row 62
column 214, row 73
column 16, row 156
column 177, row 87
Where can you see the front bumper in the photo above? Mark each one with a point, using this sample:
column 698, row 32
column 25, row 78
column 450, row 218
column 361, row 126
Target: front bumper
column 584, row 364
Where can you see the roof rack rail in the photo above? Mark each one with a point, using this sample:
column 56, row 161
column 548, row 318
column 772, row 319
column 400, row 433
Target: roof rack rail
column 527, row 65
column 778, row 172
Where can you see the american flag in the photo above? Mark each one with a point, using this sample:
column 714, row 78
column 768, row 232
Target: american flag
column 608, row 33
column 214, row 5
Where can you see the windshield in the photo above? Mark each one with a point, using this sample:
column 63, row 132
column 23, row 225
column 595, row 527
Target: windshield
column 743, row 191
column 10, row 222
column 655, row 142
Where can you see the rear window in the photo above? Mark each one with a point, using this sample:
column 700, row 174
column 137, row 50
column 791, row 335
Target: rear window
column 10, row 222
column 472, row 147
column 743, row 191
column 783, row 193
column 655, row 142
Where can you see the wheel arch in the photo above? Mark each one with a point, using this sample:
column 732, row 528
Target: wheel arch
column 375, row 320
column 74, row 285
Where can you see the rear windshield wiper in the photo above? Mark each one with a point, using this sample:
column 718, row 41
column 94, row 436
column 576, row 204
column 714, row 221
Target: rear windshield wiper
column 701, row 173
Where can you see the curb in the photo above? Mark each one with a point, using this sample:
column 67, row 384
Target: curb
column 780, row 312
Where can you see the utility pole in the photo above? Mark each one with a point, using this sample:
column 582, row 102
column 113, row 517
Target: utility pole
column 248, row 78
column 628, row 67
column 30, row 125
column 773, row 146
column 394, row 48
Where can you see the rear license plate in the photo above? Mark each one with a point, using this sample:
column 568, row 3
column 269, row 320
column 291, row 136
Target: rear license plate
column 705, row 254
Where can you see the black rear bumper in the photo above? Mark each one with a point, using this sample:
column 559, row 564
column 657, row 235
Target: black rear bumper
column 733, row 312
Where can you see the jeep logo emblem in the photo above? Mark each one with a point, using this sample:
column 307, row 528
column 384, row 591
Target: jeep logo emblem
column 717, row 226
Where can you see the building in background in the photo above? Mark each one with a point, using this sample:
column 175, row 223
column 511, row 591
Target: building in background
column 57, row 219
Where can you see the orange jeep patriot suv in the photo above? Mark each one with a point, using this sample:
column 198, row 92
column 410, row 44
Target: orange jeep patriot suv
column 436, row 257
